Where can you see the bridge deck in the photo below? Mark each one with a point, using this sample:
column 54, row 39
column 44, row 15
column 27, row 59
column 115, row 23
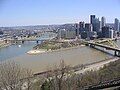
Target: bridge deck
column 105, row 46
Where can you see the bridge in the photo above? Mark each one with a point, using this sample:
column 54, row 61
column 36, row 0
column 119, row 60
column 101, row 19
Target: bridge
column 22, row 40
column 27, row 39
column 107, row 47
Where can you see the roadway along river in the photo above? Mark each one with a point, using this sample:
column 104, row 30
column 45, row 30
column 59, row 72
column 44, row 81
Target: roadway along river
column 40, row 62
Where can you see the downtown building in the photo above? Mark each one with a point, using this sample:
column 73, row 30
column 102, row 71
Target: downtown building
column 103, row 22
column 81, row 27
column 107, row 32
column 116, row 25
column 88, row 32
column 66, row 34
column 95, row 23
column 77, row 31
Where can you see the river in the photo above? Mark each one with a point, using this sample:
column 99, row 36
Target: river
column 41, row 62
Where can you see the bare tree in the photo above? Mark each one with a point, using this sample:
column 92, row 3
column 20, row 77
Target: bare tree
column 56, row 76
column 29, row 79
column 12, row 75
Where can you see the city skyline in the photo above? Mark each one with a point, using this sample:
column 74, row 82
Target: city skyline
column 20, row 12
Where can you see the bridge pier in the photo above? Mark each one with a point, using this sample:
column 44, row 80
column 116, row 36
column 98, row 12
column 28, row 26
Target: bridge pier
column 6, row 41
column 92, row 46
column 87, row 44
column 37, row 41
column 23, row 42
column 117, row 53
column 116, row 39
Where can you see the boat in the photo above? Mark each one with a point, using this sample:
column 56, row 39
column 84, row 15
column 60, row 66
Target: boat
column 19, row 45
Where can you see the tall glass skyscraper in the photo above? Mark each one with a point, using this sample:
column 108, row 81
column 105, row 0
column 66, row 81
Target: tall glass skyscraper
column 95, row 23
column 116, row 24
column 103, row 21
column 81, row 27
column 77, row 29
column 92, row 19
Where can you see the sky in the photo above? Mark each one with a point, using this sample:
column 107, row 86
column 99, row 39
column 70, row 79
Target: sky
column 42, row 12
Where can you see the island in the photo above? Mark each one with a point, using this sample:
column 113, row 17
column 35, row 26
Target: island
column 54, row 45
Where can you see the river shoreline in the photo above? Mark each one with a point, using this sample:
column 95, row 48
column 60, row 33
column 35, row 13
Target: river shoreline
column 97, row 65
column 88, row 67
column 5, row 45
column 40, row 51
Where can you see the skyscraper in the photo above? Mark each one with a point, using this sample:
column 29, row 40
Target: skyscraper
column 103, row 21
column 92, row 19
column 95, row 23
column 77, row 29
column 81, row 24
column 116, row 24
column 88, row 27
column 81, row 27
column 107, row 32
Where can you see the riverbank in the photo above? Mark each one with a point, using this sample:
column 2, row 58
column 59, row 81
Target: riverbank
column 40, row 51
column 33, row 52
column 3, row 44
column 93, row 66
column 97, row 65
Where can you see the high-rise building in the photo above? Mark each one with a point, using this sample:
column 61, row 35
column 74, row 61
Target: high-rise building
column 77, row 29
column 95, row 23
column 92, row 19
column 66, row 34
column 111, row 33
column 119, row 25
column 107, row 32
column 81, row 27
column 88, row 27
column 103, row 22
column 84, row 35
column 81, row 24
column 116, row 24
column 59, row 34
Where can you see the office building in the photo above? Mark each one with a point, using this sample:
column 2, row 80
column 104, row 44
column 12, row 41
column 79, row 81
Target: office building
column 84, row 35
column 81, row 24
column 77, row 30
column 81, row 27
column 92, row 35
column 116, row 24
column 103, row 22
column 111, row 33
column 95, row 23
column 92, row 19
column 66, row 34
column 107, row 32
column 88, row 27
